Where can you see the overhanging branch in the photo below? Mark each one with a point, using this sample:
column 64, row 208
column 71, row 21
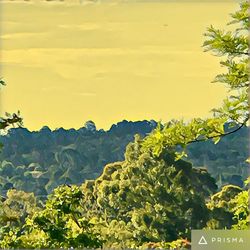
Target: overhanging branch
column 219, row 135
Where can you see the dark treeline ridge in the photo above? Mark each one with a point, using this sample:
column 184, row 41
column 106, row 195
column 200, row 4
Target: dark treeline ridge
column 40, row 161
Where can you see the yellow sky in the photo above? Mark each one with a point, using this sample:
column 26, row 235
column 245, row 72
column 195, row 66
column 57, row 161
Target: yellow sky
column 66, row 63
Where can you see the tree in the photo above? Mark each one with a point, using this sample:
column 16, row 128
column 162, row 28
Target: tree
column 10, row 119
column 14, row 210
column 234, row 113
column 240, row 208
column 230, row 208
column 219, row 204
column 57, row 225
column 90, row 126
column 147, row 199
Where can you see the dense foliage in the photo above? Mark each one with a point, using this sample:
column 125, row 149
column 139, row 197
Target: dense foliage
column 131, row 203
column 40, row 161
column 230, row 208
column 143, row 195
column 143, row 201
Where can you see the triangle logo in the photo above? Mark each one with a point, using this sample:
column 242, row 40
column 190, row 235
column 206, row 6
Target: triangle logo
column 202, row 241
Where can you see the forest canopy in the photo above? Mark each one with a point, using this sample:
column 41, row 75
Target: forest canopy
column 40, row 161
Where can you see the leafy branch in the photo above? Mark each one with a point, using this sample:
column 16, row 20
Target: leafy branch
column 10, row 119
column 234, row 112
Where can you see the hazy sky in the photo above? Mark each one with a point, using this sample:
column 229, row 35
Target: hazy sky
column 108, row 61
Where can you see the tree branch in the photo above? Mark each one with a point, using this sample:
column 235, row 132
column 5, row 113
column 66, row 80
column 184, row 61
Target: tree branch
column 5, row 122
column 240, row 53
column 220, row 135
column 75, row 220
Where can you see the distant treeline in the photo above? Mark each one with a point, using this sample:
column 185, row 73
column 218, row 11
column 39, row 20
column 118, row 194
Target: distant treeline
column 39, row 161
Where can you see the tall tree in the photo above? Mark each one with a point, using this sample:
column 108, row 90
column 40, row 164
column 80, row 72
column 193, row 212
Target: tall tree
column 147, row 199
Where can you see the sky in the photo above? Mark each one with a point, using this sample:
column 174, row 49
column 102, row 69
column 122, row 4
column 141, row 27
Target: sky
column 65, row 62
